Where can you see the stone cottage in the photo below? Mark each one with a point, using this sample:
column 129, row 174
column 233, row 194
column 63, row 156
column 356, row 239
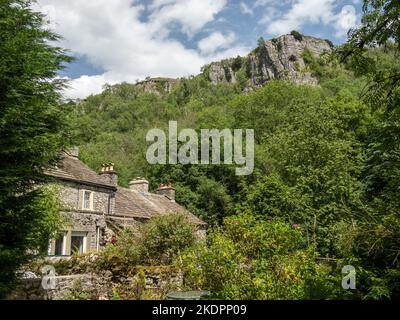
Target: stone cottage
column 95, row 207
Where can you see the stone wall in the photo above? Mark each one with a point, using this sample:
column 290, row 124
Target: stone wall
column 98, row 286
column 88, row 222
column 91, row 222
column 72, row 195
column 83, row 286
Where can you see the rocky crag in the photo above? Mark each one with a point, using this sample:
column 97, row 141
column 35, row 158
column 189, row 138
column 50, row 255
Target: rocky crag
column 283, row 58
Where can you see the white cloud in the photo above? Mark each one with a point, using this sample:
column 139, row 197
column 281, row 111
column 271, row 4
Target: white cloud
column 301, row 12
column 346, row 20
column 112, row 36
column 214, row 42
column 246, row 9
column 85, row 86
column 262, row 3
column 192, row 15
column 315, row 12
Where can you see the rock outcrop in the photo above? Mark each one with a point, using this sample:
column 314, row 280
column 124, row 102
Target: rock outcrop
column 158, row 86
column 280, row 58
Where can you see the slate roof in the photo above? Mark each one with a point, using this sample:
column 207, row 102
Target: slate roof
column 71, row 168
column 128, row 203
column 132, row 203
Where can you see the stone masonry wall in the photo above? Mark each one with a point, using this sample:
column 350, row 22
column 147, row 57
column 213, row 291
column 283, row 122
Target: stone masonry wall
column 96, row 286
column 72, row 195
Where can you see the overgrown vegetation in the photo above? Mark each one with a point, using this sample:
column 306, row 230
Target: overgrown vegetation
column 255, row 258
column 297, row 35
column 157, row 242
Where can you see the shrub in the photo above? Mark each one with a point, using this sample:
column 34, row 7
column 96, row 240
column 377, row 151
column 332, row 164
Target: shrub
column 237, row 63
column 280, row 46
column 126, row 251
column 307, row 56
column 155, row 242
column 164, row 237
column 252, row 258
column 330, row 43
column 297, row 35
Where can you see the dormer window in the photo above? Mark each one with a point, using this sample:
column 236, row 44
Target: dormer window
column 87, row 200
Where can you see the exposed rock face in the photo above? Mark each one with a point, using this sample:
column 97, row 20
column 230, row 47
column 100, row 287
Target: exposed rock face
column 158, row 86
column 219, row 73
column 280, row 58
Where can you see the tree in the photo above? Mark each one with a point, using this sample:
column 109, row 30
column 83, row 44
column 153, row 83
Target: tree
column 297, row 35
column 380, row 25
column 32, row 132
column 375, row 239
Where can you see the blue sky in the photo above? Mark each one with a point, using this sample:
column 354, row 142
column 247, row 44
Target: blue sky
column 127, row 40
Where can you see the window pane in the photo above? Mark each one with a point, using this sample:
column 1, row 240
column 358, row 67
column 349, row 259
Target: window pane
column 59, row 246
column 77, row 244
column 86, row 200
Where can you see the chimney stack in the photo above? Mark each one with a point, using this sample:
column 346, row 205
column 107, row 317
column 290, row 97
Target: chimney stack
column 167, row 190
column 110, row 175
column 139, row 184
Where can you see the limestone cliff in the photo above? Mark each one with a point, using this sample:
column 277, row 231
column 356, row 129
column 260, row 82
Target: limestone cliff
column 158, row 86
column 280, row 58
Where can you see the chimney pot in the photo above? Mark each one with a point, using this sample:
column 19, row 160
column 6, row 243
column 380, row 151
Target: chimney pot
column 107, row 171
column 167, row 190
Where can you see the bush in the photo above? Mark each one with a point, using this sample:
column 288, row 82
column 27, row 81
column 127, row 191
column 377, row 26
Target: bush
column 164, row 237
column 330, row 43
column 252, row 258
column 237, row 63
column 308, row 57
column 297, row 35
column 154, row 243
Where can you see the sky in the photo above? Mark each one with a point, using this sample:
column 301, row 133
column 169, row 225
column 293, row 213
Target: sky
column 129, row 40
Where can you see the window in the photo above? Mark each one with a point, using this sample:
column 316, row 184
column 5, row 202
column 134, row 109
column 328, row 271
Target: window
column 59, row 245
column 78, row 242
column 87, row 200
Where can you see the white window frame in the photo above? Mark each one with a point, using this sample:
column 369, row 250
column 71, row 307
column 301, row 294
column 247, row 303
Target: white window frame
column 90, row 200
column 64, row 245
column 84, row 242
column 97, row 238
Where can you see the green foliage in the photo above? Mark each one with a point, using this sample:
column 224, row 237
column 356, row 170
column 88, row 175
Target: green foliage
column 373, row 241
column 279, row 46
column 297, row 35
column 380, row 27
column 330, row 43
column 257, row 259
column 32, row 132
column 261, row 43
column 164, row 237
column 154, row 243
column 307, row 56
column 237, row 63
column 25, row 230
